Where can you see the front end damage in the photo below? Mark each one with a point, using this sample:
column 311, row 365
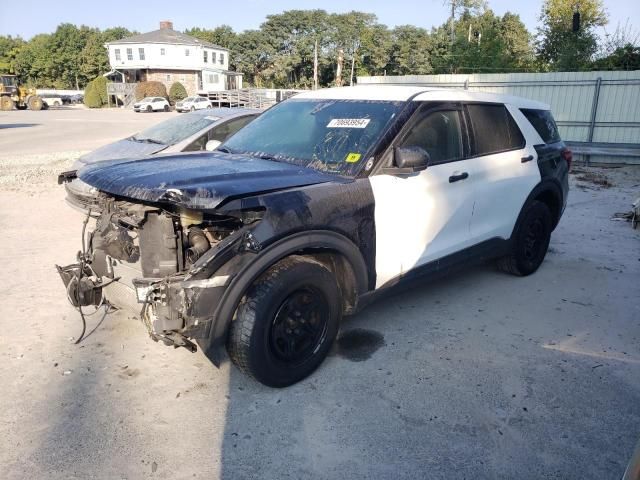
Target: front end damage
column 160, row 263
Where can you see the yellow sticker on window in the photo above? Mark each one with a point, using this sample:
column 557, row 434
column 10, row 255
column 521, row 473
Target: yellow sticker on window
column 352, row 158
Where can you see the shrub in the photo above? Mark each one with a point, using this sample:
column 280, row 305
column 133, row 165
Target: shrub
column 100, row 85
column 177, row 92
column 92, row 97
column 150, row 89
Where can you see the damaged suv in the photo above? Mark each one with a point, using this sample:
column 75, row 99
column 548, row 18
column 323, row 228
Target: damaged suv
column 312, row 210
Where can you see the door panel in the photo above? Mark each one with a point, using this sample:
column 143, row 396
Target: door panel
column 420, row 218
column 504, row 181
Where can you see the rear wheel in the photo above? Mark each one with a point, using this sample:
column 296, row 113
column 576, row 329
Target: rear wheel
column 530, row 242
column 35, row 103
column 287, row 322
column 193, row 109
column 6, row 103
column 149, row 108
column 166, row 108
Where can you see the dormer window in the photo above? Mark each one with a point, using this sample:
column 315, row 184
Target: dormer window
column 117, row 52
column 213, row 57
column 141, row 53
column 206, row 56
column 130, row 54
column 222, row 59
column 186, row 52
column 162, row 51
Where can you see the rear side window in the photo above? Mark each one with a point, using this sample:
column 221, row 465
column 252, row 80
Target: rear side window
column 494, row 129
column 543, row 122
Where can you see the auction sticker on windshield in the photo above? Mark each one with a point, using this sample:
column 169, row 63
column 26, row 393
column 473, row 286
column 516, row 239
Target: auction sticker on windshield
column 348, row 123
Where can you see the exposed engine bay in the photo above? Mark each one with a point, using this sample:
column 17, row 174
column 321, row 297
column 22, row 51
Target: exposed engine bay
column 142, row 258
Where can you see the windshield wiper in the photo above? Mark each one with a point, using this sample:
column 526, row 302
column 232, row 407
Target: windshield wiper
column 224, row 150
column 147, row 140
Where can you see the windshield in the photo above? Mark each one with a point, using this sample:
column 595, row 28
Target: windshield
column 8, row 81
column 189, row 99
column 327, row 135
column 175, row 129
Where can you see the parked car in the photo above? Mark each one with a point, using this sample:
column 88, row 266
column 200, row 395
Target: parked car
column 152, row 104
column 320, row 205
column 52, row 100
column 186, row 133
column 190, row 104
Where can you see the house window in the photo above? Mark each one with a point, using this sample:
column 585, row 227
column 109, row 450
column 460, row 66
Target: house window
column 222, row 59
column 117, row 51
column 162, row 51
column 186, row 52
column 168, row 77
column 213, row 57
column 129, row 54
column 206, row 56
column 141, row 53
column 213, row 78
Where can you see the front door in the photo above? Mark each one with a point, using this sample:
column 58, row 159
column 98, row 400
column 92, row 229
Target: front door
column 426, row 215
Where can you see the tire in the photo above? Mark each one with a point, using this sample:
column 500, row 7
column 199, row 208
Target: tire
column 530, row 241
column 149, row 108
column 166, row 108
column 193, row 109
column 6, row 103
column 56, row 104
column 35, row 103
column 286, row 323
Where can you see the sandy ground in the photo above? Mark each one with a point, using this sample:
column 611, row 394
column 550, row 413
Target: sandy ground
column 476, row 375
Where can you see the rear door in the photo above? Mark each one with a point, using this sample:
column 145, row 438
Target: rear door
column 423, row 216
column 505, row 167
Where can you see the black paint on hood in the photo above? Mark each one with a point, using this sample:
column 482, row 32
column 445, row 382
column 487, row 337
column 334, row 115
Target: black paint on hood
column 197, row 180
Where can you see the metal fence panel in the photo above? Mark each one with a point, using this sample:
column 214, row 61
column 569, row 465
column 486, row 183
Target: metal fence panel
column 588, row 106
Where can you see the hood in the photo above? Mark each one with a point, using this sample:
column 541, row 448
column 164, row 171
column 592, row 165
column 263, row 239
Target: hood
column 126, row 148
column 201, row 180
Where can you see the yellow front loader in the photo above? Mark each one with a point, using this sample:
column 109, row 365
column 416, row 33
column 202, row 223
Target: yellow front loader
column 14, row 95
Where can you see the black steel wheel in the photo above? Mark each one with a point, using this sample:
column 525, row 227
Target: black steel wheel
column 530, row 241
column 287, row 322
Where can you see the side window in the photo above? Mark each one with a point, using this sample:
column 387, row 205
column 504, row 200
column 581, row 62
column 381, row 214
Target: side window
column 439, row 134
column 543, row 122
column 224, row 131
column 198, row 144
column 494, row 129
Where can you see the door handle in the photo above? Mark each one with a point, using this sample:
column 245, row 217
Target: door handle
column 526, row 159
column 457, row 177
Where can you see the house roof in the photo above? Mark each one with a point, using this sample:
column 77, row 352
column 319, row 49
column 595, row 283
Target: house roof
column 166, row 35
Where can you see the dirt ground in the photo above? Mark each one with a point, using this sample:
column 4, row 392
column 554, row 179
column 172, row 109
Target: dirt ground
column 476, row 375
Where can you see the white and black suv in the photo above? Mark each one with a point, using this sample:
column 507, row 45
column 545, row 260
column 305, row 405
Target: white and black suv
column 309, row 212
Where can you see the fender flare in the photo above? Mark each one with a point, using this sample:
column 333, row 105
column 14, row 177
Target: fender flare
column 308, row 240
column 551, row 186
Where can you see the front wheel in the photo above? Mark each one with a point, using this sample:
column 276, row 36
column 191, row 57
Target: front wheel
column 149, row 108
column 530, row 241
column 286, row 323
column 166, row 108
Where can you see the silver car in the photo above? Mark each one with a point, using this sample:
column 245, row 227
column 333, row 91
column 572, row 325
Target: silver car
column 195, row 131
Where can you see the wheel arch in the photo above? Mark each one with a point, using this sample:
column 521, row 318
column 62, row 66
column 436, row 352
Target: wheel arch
column 335, row 251
column 548, row 192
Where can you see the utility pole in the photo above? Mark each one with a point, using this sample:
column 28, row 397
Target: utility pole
column 339, row 68
column 315, row 66
column 353, row 63
column 452, row 22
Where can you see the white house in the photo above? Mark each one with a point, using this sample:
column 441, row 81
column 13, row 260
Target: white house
column 169, row 56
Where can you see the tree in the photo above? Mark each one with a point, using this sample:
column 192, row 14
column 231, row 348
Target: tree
column 92, row 97
column 177, row 92
column 410, row 51
column 558, row 45
column 9, row 48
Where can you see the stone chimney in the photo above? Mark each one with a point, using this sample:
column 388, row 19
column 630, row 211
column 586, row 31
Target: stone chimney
column 166, row 25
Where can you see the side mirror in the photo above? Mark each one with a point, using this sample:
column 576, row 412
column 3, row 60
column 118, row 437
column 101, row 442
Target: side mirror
column 410, row 159
column 212, row 145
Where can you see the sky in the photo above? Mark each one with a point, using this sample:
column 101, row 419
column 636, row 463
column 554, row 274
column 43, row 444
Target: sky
column 249, row 14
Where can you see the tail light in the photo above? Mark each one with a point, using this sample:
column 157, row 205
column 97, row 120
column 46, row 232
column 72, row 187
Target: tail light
column 568, row 157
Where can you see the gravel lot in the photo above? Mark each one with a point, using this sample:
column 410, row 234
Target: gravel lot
column 476, row 375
